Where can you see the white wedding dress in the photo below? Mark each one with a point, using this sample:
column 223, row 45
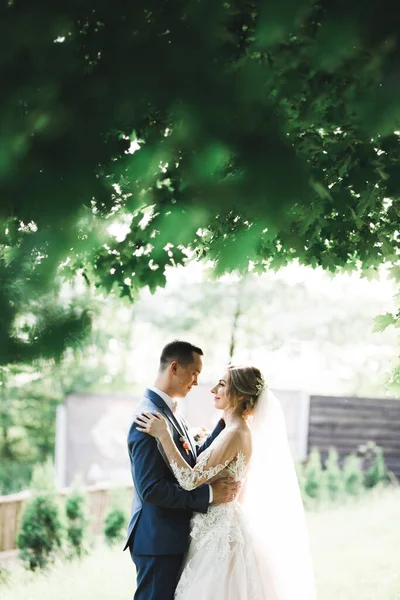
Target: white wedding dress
column 221, row 562
column 255, row 548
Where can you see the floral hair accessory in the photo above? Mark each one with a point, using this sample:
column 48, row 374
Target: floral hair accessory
column 260, row 386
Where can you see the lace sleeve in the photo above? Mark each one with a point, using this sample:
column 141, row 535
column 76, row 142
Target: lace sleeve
column 210, row 462
column 189, row 478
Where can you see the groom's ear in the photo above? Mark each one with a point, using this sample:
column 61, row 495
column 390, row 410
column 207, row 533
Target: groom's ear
column 174, row 367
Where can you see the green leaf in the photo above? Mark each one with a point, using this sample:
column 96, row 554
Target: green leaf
column 383, row 321
column 395, row 273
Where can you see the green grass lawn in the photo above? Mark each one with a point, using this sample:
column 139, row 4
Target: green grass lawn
column 356, row 550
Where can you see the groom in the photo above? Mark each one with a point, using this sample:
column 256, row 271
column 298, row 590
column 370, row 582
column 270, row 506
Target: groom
column 158, row 532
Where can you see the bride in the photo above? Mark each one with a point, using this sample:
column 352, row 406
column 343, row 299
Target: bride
column 256, row 547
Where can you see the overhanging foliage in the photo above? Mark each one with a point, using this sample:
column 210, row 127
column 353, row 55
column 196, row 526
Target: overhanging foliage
column 240, row 130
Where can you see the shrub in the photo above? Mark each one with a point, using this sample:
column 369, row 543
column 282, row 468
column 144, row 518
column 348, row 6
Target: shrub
column 333, row 475
column 41, row 528
column 374, row 465
column 377, row 473
column 114, row 525
column 76, row 523
column 41, row 531
column 360, row 471
column 353, row 477
column 313, row 474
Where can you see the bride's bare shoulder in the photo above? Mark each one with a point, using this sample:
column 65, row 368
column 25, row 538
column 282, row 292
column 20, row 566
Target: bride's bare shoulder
column 239, row 427
column 242, row 433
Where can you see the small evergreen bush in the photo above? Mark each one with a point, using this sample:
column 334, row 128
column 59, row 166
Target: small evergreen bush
column 374, row 465
column 353, row 476
column 76, row 523
column 114, row 525
column 313, row 474
column 41, row 530
column 333, row 476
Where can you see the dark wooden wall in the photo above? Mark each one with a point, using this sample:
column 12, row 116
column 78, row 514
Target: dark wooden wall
column 345, row 423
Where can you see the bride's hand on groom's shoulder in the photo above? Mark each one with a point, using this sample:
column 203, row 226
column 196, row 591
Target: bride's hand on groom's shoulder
column 152, row 424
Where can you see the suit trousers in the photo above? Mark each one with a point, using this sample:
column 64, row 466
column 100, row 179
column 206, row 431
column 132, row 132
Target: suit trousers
column 157, row 576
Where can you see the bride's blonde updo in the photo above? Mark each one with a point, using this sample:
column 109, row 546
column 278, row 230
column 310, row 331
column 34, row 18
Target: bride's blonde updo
column 244, row 386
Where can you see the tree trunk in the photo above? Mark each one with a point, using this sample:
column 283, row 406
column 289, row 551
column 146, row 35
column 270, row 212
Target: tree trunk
column 236, row 316
column 5, row 448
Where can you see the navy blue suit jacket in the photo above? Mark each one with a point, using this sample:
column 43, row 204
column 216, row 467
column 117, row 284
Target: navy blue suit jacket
column 161, row 509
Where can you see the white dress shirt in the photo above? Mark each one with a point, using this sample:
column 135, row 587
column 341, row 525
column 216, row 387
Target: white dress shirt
column 167, row 399
column 171, row 403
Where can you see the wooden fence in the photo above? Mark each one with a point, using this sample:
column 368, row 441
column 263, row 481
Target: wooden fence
column 11, row 507
column 345, row 423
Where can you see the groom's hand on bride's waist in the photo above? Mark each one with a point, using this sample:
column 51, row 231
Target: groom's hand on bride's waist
column 225, row 490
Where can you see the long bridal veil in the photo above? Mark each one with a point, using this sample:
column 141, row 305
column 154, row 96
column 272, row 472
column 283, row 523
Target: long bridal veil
column 274, row 510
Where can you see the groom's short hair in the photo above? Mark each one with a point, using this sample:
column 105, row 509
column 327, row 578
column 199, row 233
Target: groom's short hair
column 180, row 351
